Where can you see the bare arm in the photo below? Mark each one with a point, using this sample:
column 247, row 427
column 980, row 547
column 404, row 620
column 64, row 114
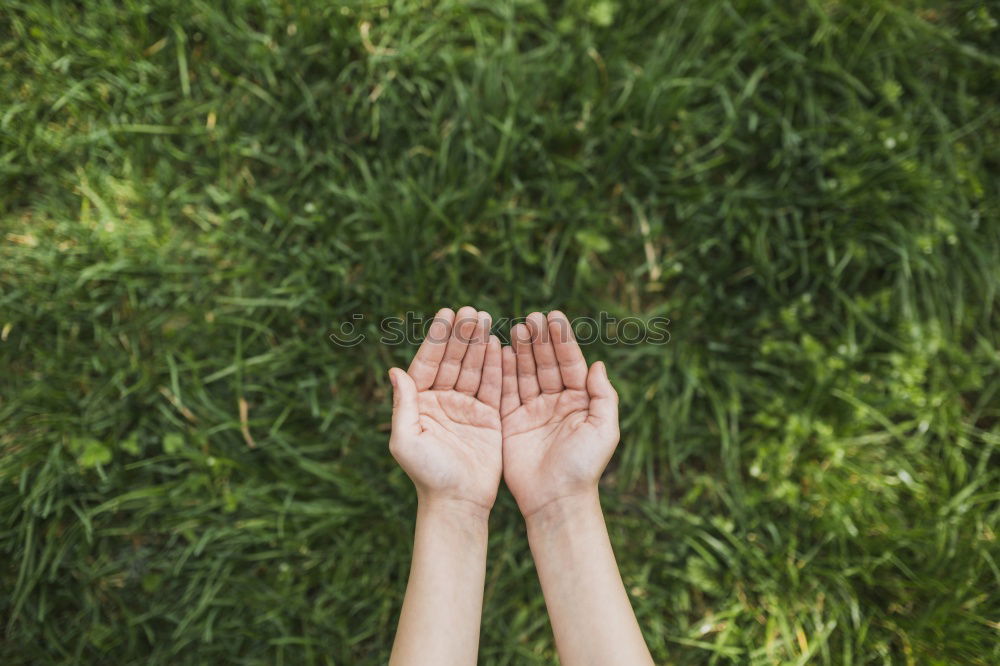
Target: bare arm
column 439, row 623
column 560, row 427
column 446, row 436
column 592, row 619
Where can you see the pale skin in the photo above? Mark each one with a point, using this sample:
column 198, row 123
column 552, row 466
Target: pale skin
column 467, row 412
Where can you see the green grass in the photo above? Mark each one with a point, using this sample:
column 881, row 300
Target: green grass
column 194, row 195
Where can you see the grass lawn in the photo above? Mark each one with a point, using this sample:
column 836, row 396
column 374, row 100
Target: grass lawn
column 195, row 195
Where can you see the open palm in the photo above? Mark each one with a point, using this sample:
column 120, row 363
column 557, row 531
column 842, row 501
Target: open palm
column 560, row 419
column 446, row 424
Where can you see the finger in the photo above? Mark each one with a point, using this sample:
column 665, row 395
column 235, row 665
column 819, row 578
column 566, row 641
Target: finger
column 603, row 399
column 509, row 398
column 466, row 320
column 472, row 364
column 424, row 367
column 405, row 410
column 490, row 386
column 527, row 380
column 572, row 366
column 546, row 365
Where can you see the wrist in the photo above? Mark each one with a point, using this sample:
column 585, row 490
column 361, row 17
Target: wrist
column 455, row 510
column 565, row 509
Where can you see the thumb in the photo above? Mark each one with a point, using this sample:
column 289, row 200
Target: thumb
column 405, row 413
column 603, row 398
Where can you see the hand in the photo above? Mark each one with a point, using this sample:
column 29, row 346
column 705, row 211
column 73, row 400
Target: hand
column 445, row 416
column 560, row 420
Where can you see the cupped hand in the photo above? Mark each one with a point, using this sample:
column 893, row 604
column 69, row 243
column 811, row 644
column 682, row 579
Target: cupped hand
column 445, row 417
column 560, row 419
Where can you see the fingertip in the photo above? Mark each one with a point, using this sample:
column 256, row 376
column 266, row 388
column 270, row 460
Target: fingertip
column 535, row 321
column 598, row 382
column 400, row 378
column 440, row 327
column 445, row 316
column 607, row 378
column 521, row 333
column 466, row 314
column 485, row 323
column 466, row 322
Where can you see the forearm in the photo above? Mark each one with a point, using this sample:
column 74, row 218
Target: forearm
column 439, row 623
column 591, row 616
